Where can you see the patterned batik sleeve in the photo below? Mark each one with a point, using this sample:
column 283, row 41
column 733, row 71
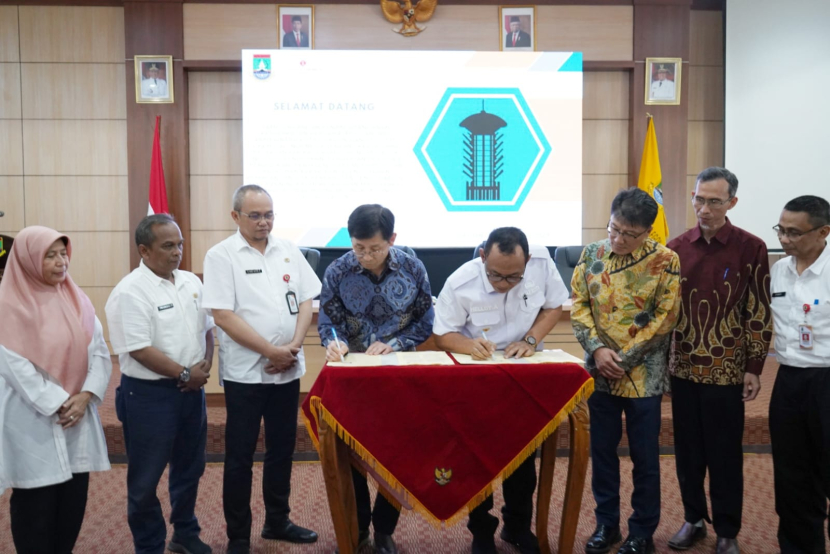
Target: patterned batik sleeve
column 332, row 314
column 758, row 314
column 423, row 315
column 655, row 331
column 582, row 316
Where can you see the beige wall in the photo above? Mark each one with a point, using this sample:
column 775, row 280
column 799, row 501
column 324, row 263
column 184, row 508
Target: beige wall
column 63, row 134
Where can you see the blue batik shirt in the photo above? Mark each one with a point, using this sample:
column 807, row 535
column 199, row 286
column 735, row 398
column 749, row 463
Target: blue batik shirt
column 395, row 308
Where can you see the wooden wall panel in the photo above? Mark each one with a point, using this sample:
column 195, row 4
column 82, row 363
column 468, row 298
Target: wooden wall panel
column 215, row 147
column 100, row 259
column 706, row 30
column 71, row 34
column 9, row 38
column 599, row 32
column 210, row 202
column 220, row 31
column 706, row 93
column 11, row 202
column 55, row 147
column 11, row 147
column 201, row 242
column 215, row 95
column 593, row 235
column 74, row 91
column 604, row 147
column 98, row 296
column 705, row 145
column 691, row 218
column 77, row 203
column 10, row 91
column 605, row 95
column 364, row 27
column 597, row 192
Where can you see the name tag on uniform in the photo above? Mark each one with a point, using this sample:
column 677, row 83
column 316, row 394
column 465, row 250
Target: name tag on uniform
column 293, row 305
column 165, row 307
column 252, row 271
column 479, row 309
column 805, row 336
column 779, row 294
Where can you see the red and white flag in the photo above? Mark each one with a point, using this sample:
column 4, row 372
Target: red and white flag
column 158, row 190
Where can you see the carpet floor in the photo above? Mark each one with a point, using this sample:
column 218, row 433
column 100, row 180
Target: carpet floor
column 105, row 528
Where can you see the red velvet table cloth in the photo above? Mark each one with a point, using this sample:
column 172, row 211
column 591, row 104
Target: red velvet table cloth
column 443, row 436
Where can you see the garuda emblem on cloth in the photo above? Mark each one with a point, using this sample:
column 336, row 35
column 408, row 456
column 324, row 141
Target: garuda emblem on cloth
column 408, row 13
column 443, row 476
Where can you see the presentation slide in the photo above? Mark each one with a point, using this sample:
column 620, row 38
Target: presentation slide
column 454, row 143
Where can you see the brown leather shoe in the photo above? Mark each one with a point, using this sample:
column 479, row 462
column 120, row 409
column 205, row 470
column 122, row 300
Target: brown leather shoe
column 687, row 536
column 727, row 546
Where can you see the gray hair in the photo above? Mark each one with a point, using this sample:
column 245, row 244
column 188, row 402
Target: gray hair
column 144, row 231
column 239, row 195
column 715, row 173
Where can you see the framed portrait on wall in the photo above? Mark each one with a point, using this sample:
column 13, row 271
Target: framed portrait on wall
column 296, row 23
column 154, row 79
column 517, row 26
column 663, row 80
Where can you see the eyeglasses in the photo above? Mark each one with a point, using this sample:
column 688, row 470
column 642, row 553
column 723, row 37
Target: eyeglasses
column 712, row 202
column 793, row 235
column 496, row 278
column 369, row 253
column 614, row 232
column 257, row 216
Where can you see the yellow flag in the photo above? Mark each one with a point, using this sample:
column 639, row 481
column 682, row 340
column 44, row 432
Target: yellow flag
column 651, row 181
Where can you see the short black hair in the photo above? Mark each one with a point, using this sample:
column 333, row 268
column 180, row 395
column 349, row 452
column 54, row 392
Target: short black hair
column 369, row 219
column 144, row 231
column 507, row 238
column 814, row 206
column 239, row 195
column 635, row 207
column 715, row 173
column 296, row 18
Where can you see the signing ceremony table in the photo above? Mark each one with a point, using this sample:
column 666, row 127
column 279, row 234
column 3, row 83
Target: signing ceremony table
column 439, row 436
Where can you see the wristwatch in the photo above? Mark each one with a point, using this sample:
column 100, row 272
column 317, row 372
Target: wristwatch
column 184, row 376
column 530, row 340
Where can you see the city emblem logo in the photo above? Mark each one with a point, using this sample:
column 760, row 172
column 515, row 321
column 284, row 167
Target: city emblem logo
column 262, row 66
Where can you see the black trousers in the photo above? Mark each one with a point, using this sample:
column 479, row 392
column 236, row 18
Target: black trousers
column 799, row 424
column 384, row 516
column 247, row 405
column 47, row 520
column 518, row 503
column 708, row 434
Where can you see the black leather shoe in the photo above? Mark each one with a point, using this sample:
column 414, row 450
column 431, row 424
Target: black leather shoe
column 687, row 536
column 636, row 545
column 603, row 539
column 239, row 546
column 289, row 532
column 484, row 545
column 727, row 546
column 188, row 545
column 384, row 544
column 524, row 540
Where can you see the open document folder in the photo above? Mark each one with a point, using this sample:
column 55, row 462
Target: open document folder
column 395, row 358
column 541, row 357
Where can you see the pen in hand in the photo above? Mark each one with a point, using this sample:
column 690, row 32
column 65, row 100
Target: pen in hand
column 334, row 332
column 484, row 335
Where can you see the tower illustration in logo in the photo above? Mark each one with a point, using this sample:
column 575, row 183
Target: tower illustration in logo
column 483, row 155
column 482, row 149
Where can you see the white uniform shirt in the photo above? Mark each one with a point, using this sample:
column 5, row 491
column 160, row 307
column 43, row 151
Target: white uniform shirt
column 154, row 88
column 147, row 310
column 468, row 303
column 254, row 286
column 788, row 310
column 34, row 450
column 662, row 90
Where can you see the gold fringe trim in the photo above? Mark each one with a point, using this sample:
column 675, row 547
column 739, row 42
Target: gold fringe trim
column 317, row 409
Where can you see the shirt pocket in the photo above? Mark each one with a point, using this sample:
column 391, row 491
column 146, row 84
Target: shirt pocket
column 532, row 303
column 485, row 319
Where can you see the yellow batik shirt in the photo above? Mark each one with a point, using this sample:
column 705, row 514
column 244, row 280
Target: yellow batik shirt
column 629, row 304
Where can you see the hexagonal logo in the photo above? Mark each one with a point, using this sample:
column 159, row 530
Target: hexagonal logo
column 482, row 149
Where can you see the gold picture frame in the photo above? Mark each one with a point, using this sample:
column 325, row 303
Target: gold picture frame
column 663, row 81
column 525, row 36
column 154, row 80
column 286, row 15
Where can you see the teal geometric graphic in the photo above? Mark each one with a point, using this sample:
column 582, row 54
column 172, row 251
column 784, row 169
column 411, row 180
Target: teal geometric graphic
column 482, row 149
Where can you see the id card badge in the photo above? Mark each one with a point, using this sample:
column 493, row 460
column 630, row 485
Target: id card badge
column 293, row 305
column 805, row 336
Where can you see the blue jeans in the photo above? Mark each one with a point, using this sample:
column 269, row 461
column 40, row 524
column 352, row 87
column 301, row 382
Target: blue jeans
column 642, row 416
column 162, row 425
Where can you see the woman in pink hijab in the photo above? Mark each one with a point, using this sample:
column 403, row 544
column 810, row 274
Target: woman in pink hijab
column 54, row 370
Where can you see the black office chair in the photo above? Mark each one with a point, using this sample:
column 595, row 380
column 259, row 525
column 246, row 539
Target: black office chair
column 406, row 250
column 566, row 258
column 312, row 256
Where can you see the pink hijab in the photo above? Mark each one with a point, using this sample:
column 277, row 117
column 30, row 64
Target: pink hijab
column 51, row 326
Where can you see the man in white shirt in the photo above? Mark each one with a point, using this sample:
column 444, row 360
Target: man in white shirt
column 260, row 289
column 153, row 86
column 662, row 88
column 164, row 341
column 508, row 299
column 799, row 411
